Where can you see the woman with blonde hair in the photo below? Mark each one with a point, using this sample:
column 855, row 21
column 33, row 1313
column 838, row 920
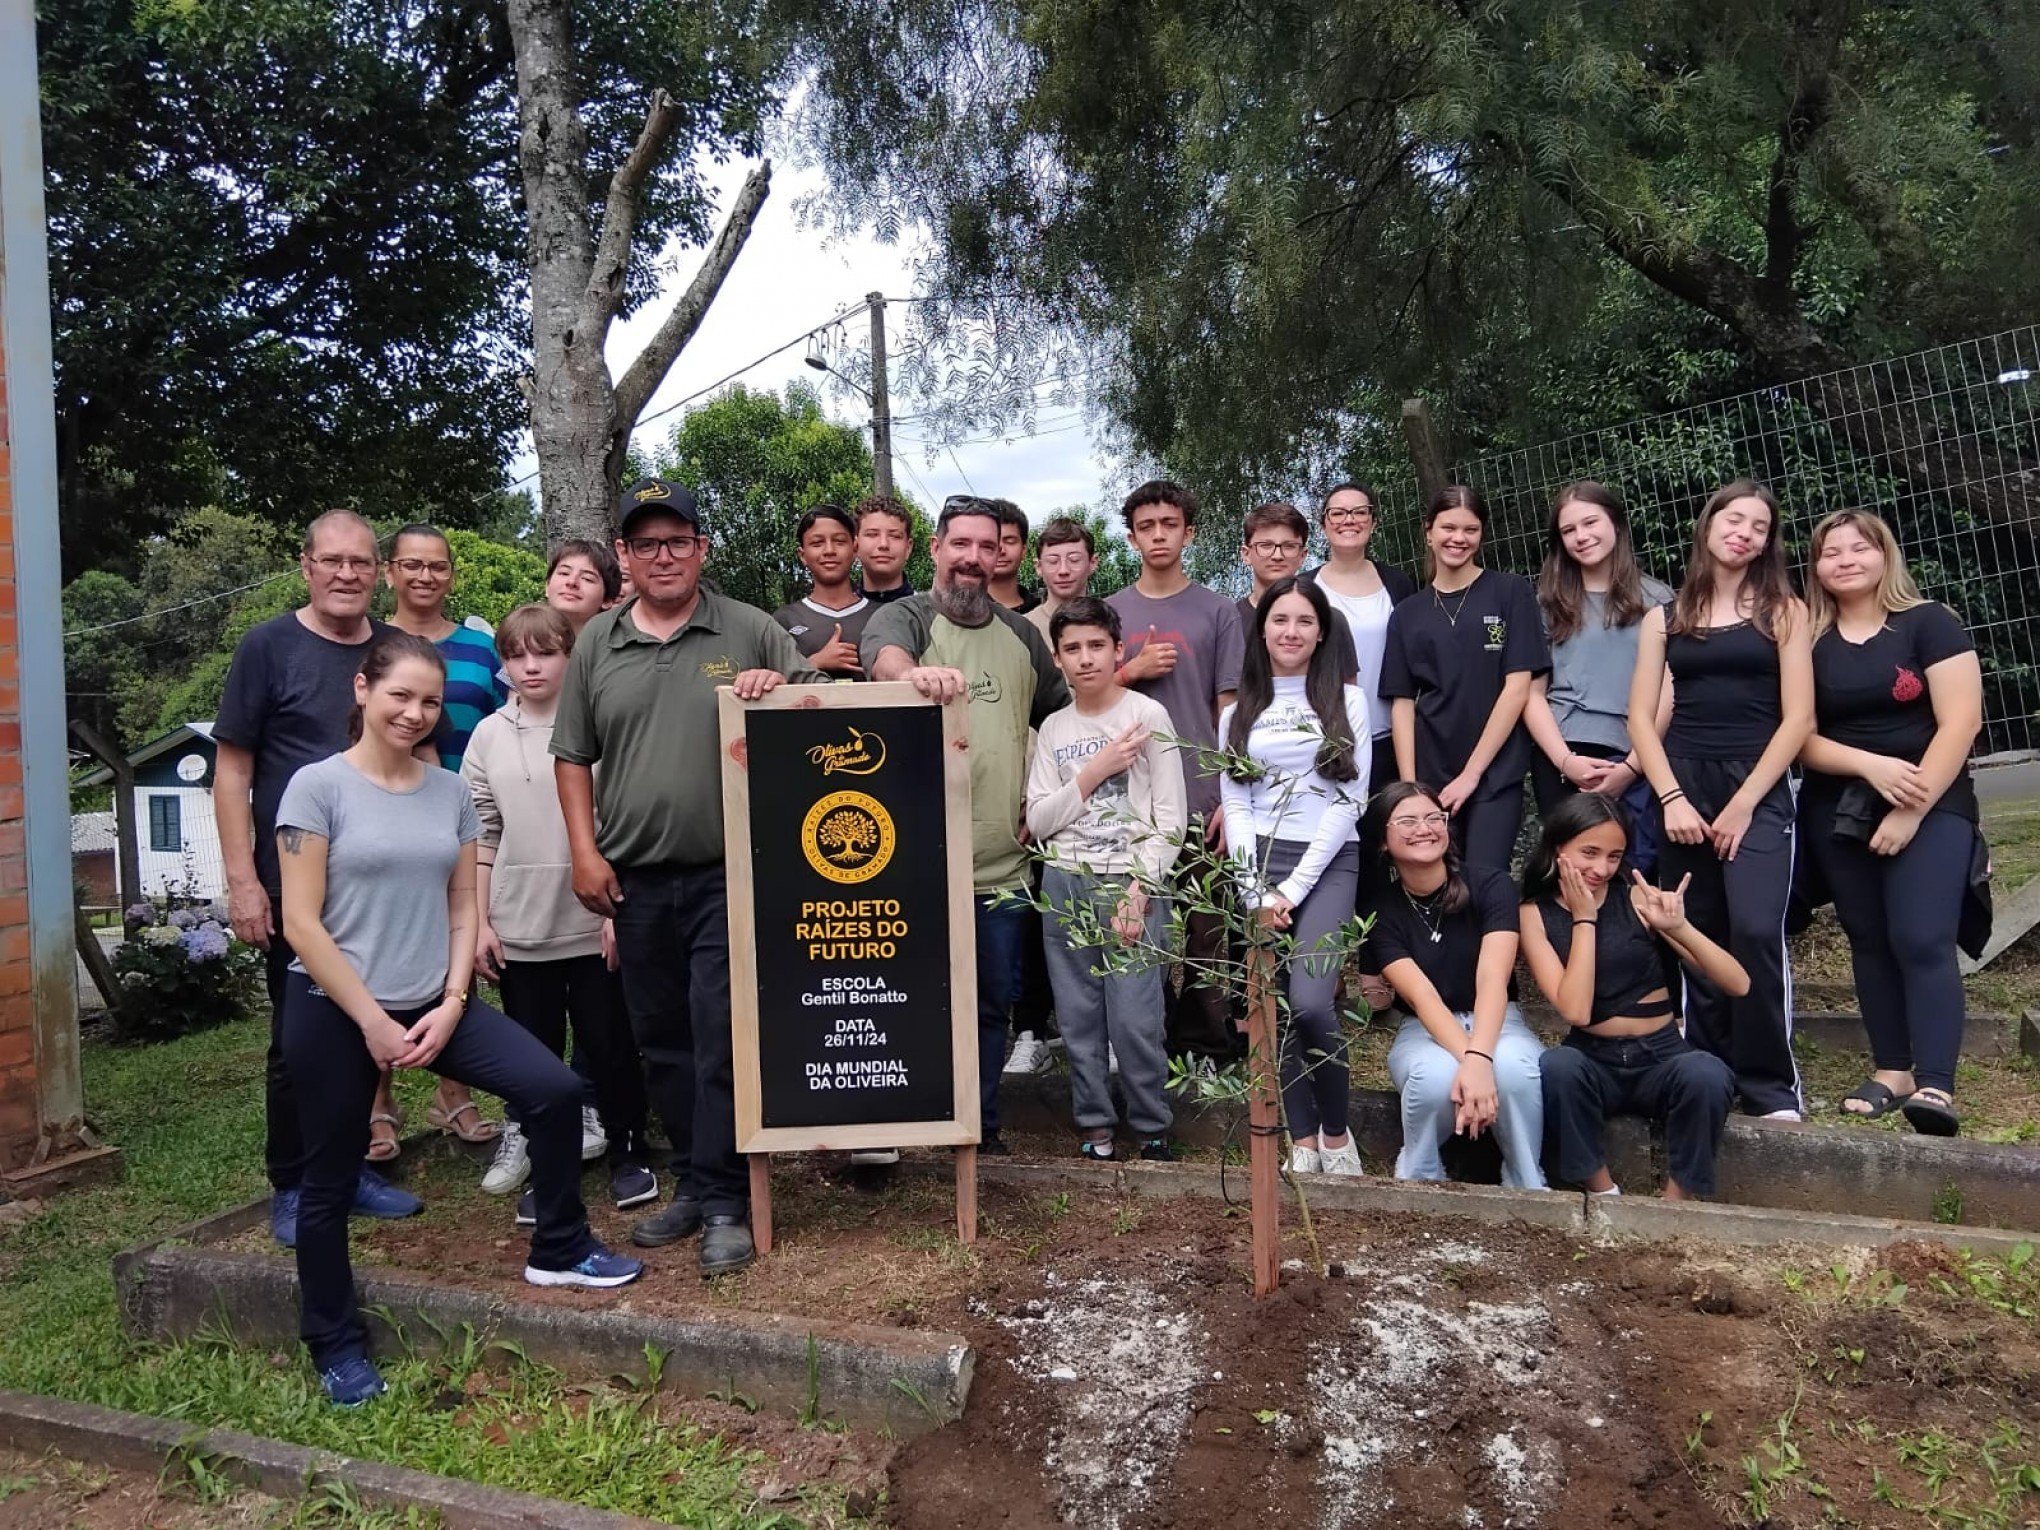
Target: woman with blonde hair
column 1888, row 809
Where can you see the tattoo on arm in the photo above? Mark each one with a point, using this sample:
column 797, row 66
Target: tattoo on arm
column 293, row 839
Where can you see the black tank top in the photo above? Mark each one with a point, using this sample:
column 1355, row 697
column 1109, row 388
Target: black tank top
column 1725, row 702
column 1629, row 961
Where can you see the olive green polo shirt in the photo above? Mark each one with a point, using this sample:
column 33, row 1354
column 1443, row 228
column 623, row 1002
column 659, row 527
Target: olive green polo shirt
column 647, row 711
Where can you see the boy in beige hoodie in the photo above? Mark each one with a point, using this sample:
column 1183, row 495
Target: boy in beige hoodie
column 535, row 939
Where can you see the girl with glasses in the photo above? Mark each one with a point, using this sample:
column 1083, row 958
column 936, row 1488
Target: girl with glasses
column 1364, row 592
column 1444, row 937
column 1605, row 951
column 1734, row 641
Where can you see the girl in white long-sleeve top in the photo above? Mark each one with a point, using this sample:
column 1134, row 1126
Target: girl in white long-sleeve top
column 1292, row 825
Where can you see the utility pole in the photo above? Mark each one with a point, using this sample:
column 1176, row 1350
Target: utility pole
column 881, row 407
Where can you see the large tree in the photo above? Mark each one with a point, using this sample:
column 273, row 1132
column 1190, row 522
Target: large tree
column 1256, row 221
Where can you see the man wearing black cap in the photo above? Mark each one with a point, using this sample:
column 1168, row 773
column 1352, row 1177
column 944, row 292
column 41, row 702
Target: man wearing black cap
column 640, row 697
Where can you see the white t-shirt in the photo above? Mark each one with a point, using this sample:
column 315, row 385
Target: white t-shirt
column 1367, row 619
column 1290, row 800
column 1132, row 821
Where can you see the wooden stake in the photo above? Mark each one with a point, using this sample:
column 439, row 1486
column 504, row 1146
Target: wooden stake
column 761, row 1201
column 1264, row 1121
column 966, row 1193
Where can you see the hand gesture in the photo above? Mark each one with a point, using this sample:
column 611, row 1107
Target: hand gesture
column 1155, row 659
column 1683, row 823
column 1729, row 827
column 837, row 656
column 1896, row 831
column 1660, row 910
column 1580, row 900
column 1458, row 791
column 937, row 683
column 488, row 952
column 1897, row 781
column 1474, row 1098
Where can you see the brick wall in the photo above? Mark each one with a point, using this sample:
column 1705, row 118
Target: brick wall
column 19, row 1095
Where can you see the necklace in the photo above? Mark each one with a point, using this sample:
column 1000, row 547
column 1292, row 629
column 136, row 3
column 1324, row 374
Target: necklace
column 1452, row 616
column 1427, row 914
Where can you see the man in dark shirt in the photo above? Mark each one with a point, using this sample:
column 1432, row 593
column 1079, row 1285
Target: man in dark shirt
column 1005, row 587
column 289, row 694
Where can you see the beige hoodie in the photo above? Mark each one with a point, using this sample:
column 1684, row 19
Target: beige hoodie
column 509, row 768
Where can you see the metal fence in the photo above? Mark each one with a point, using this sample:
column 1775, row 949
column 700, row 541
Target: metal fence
column 1945, row 443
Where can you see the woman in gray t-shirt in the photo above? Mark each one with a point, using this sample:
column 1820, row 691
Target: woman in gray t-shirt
column 1592, row 597
column 378, row 857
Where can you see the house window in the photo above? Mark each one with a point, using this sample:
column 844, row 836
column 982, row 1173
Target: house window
column 166, row 823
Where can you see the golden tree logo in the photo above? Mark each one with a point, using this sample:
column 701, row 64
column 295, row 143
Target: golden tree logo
column 847, row 837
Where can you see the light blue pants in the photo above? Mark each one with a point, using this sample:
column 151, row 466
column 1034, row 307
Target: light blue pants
column 1423, row 1073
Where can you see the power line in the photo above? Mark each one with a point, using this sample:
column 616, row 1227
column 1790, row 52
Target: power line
column 128, row 621
column 856, row 308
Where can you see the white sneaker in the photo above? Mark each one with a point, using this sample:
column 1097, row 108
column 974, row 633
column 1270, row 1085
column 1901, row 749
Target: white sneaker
column 594, row 1140
column 511, row 1166
column 1028, row 1054
column 875, row 1156
column 1341, row 1160
column 1303, row 1160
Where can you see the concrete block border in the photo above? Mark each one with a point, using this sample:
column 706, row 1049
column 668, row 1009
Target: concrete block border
column 142, row 1443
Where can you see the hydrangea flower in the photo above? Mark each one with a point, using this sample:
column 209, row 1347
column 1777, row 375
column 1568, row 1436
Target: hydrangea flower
column 141, row 913
column 160, row 935
column 207, row 943
column 186, row 918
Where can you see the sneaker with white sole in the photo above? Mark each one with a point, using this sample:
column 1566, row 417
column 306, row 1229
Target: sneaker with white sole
column 511, row 1165
column 599, row 1271
column 875, row 1157
column 1029, row 1055
column 1344, row 1159
column 632, row 1182
column 1303, row 1160
column 594, row 1140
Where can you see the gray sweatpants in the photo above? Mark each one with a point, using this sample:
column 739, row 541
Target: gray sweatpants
column 1126, row 1009
column 1316, row 1087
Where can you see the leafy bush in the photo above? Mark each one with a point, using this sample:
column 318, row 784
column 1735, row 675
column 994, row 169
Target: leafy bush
column 180, row 970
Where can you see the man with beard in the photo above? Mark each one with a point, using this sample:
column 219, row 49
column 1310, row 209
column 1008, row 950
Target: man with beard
column 957, row 641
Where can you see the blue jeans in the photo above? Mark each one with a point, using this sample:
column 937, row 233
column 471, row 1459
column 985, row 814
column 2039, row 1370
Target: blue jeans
column 999, row 932
column 1423, row 1073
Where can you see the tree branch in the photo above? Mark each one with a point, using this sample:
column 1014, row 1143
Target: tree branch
column 1784, row 235
column 638, row 384
column 620, row 214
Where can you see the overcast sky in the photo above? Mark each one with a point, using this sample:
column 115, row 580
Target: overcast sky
column 789, row 279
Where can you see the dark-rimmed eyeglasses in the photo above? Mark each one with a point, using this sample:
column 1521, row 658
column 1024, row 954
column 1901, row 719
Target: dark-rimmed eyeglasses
column 648, row 548
column 439, row 568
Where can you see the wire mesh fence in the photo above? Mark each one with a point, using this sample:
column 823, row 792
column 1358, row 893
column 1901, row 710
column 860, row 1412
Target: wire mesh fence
column 1944, row 443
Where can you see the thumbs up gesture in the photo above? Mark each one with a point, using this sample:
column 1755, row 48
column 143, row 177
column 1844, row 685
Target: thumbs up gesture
column 1155, row 658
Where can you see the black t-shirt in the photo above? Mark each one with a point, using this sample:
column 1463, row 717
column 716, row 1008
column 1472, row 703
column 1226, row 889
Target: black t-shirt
column 900, row 591
column 1404, row 926
column 1342, row 638
column 1452, row 654
column 1873, row 695
column 289, row 692
column 814, row 627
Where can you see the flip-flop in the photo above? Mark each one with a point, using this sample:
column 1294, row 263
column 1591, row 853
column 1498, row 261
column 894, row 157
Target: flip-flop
column 1878, row 1097
column 383, row 1149
column 448, row 1121
column 1932, row 1114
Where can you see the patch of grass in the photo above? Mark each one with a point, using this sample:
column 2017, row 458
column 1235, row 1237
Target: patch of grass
column 188, row 1115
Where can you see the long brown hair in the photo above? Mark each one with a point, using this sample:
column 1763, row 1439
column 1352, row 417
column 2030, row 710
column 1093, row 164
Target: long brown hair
column 1386, row 801
column 1562, row 587
column 1323, row 685
column 1765, row 581
column 390, row 648
column 1895, row 591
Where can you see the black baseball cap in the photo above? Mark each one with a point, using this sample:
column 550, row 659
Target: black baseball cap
column 656, row 494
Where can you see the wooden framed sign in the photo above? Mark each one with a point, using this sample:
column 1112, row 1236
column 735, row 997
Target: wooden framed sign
column 853, row 966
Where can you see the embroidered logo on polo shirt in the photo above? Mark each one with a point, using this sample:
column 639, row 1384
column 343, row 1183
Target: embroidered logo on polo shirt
column 719, row 669
column 1497, row 632
column 847, row 837
column 986, row 689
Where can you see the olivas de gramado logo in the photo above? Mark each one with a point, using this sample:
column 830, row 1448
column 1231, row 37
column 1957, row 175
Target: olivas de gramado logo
column 862, row 754
column 719, row 669
column 847, row 837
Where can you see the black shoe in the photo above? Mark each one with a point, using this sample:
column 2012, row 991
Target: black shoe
column 994, row 1146
column 527, row 1209
column 726, row 1246
column 1157, row 1150
column 680, row 1219
column 631, row 1183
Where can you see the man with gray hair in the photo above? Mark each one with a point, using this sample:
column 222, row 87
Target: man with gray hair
column 288, row 697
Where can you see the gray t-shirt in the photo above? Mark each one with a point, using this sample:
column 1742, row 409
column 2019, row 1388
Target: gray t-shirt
column 1205, row 627
column 389, row 856
column 1590, row 674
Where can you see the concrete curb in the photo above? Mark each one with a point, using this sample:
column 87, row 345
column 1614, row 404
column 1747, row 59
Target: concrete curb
column 906, row 1380
column 1568, row 1211
column 139, row 1442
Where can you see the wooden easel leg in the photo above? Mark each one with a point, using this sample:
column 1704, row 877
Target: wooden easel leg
column 966, row 1193
column 761, row 1201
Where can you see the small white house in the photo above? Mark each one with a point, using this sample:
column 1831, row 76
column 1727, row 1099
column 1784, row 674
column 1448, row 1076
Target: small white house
column 177, row 840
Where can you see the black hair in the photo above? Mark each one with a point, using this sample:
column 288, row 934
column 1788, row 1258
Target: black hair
column 1160, row 491
column 391, row 647
column 1084, row 611
column 1456, row 496
column 958, row 506
column 1392, row 796
column 1566, row 822
column 1349, row 485
column 824, row 512
column 1009, row 514
column 1324, row 686
column 419, row 529
column 600, row 554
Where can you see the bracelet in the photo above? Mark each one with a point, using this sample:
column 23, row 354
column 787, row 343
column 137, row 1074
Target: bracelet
column 1483, row 1056
column 1589, row 923
column 458, row 995
column 1666, row 799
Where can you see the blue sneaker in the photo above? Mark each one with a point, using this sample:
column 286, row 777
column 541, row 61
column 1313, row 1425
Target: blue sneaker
column 601, row 1270
column 352, row 1382
column 283, row 1206
column 375, row 1196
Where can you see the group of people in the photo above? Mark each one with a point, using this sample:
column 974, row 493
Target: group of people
column 1341, row 741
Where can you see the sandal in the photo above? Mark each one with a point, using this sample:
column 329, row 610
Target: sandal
column 1932, row 1113
column 477, row 1131
column 383, row 1149
column 1878, row 1097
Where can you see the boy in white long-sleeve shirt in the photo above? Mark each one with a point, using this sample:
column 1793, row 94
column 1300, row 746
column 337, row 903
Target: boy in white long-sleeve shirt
column 1105, row 798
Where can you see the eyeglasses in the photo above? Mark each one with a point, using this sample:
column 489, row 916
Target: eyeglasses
column 332, row 563
column 648, row 548
column 1274, row 549
column 1350, row 513
column 438, row 568
column 1409, row 822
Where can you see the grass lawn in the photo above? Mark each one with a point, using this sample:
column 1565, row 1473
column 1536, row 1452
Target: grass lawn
column 188, row 1116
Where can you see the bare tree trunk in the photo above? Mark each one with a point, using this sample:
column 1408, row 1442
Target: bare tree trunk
column 580, row 419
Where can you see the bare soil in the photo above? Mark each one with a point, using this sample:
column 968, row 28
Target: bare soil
column 1439, row 1374
column 47, row 1492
